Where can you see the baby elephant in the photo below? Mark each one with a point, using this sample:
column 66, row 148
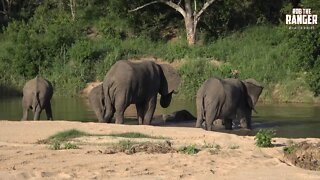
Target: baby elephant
column 227, row 99
column 96, row 99
column 37, row 94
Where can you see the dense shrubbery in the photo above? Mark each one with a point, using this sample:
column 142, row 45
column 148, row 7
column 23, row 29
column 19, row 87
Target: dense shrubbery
column 70, row 53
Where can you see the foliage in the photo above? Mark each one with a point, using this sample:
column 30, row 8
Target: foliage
column 190, row 149
column 69, row 145
column 263, row 137
column 40, row 37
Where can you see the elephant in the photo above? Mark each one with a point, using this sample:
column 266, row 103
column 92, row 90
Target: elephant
column 96, row 99
column 37, row 94
column 138, row 83
column 227, row 99
column 181, row 115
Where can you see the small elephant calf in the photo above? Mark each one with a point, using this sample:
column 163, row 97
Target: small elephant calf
column 96, row 99
column 37, row 94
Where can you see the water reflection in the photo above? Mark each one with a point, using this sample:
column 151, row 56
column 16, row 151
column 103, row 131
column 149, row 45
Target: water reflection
column 290, row 120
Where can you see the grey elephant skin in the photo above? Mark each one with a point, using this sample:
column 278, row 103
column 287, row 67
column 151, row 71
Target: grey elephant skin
column 96, row 99
column 178, row 116
column 138, row 83
column 227, row 99
column 37, row 94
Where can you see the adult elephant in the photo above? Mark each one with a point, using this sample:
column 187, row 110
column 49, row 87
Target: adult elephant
column 138, row 83
column 37, row 94
column 227, row 99
column 96, row 99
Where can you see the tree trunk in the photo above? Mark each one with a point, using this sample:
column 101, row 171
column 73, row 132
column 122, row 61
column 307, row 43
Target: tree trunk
column 190, row 30
column 189, row 23
column 191, row 17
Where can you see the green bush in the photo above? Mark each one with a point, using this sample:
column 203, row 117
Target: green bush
column 263, row 138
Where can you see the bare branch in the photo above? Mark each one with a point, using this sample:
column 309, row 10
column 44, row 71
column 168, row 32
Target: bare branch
column 145, row 5
column 169, row 3
column 205, row 6
column 176, row 7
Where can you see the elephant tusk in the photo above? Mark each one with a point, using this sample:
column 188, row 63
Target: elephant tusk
column 175, row 92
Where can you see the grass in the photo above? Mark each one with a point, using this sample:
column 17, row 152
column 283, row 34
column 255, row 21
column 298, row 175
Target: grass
column 74, row 133
column 56, row 145
column 64, row 136
column 60, row 140
column 290, row 148
column 125, row 144
column 189, row 149
column 234, row 146
column 135, row 135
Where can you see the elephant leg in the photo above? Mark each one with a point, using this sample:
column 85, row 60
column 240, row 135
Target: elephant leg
column 228, row 124
column 211, row 113
column 140, row 112
column 150, row 108
column 37, row 113
column 209, row 124
column 49, row 112
column 109, row 114
column 199, row 113
column 119, row 116
column 25, row 114
column 120, row 107
column 199, row 122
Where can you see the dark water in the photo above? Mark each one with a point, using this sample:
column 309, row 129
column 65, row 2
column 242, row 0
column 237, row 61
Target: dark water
column 289, row 120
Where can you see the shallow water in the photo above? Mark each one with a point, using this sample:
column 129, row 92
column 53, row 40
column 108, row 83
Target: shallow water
column 289, row 120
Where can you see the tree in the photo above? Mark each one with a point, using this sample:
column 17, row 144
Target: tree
column 191, row 16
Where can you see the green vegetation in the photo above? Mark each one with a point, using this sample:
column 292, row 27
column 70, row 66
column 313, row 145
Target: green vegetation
column 56, row 145
column 290, row 149
column 135, row 135
column 66, row 135
column 190, row 149
column 126, row 144
column 74, row 133
column 251, row 38
column 234, row 146
column 264, row 137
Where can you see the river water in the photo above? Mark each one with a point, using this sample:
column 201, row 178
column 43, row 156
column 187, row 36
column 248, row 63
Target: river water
column 289, row 120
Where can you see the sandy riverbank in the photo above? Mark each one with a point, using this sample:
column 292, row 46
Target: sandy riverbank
column 22, row 158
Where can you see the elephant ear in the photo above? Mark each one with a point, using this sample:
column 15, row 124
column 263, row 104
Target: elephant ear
column 254, row 90
column 170, row 79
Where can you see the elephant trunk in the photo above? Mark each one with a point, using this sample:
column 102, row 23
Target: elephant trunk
column 165, row 100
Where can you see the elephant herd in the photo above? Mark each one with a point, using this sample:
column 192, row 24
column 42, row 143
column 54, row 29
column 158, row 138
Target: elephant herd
column 140, row 82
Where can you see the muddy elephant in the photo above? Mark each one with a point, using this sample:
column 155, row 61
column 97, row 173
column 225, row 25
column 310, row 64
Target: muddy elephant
column 138, row 83
column 227, row 99
column 37, row 94
column 96, row 99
